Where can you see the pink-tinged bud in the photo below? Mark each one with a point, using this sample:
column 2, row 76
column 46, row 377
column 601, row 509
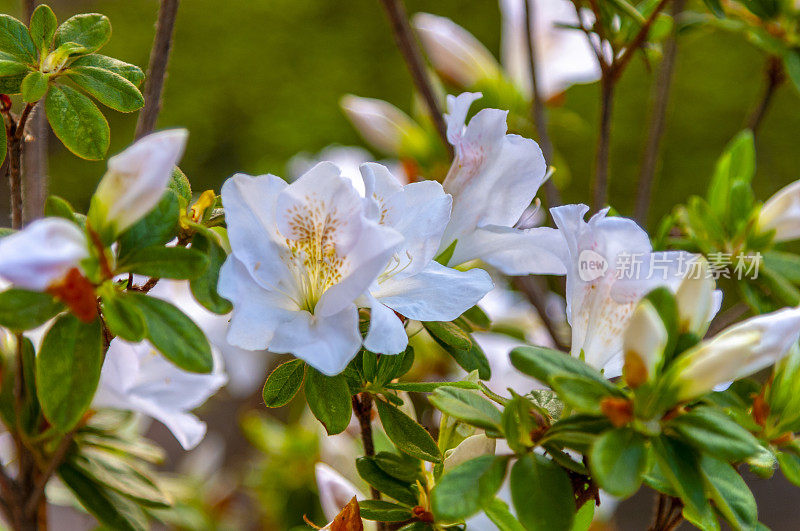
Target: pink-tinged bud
column 383, row 126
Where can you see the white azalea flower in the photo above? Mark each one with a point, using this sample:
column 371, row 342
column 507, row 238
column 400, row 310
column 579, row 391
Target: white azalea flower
column 384, row 126
column 736, row 352
column 302, row 253
column 493, row 179
column 245, row 368
column 135, row 181
column 604, row 282
column 413, row 284
column 42, row 253
column 781, row 213
column 563, row 56
column 454, row 52
column 135, row 377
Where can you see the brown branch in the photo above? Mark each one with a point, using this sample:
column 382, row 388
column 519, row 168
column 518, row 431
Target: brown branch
column 536, row 295
column 658, row 114
column 157, row 67
column 537, row 109
column 362, row 407
column 607, row 85
column 774, row 76
column 412, row 55
column 58, row 457
column 622, row 61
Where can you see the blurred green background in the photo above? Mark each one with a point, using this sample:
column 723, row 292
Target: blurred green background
column 256, row 82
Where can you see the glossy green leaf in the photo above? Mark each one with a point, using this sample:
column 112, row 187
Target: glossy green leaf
column 24, row 310
column 204, row 287
column 158, row 227
column 401, row 491
column 329, row 400
column 15, row 39
column 43, row 28
column 34, row 86
column 400, row 466
column 91, row 30
column 618, row 460
column 109, row 88
column 715, row 433
column 450, row 334
column 544, row 363
column 283, row 383
column 542, row 494
column 165, row 262
column 130, row 72
column 583, row 394
column 77, row 122
column 123, row 317
column 468, row 407
column 731, row 495
column 68, row 369
column 737, row 163
column 498, row 512
column 407, row 434
column 384, row 511
column 174, row 335
column 462, row 491
column 429, row 387
column 58, row 207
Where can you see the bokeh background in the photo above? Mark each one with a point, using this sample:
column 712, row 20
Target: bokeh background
column 258, row 81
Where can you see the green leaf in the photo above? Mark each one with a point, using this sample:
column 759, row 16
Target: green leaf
column 130, row 72
column 174, row 335
column 407, row 434
column 498, row 512
column 43, row 28
column 403, row 467
column 786, row 264
column 583, row 394
column 384, row 511
column 57, row 207
column 10, row 67
column 383, row 482
column 543, row 364
column 30, row 420
column 791, row 62
column 790, row 466
column 553, row 505
column 731, row 495
column 91, row 30
column 109, row 508
column 77, row 122
column 429, row 387
column 681, row 468
column 450, row 334
column 468, row 407
column 518, row 424
column 618, row 461
column 715, row 7
column 158, row 227
column 584, row 517
column 329, row 400
column 445, row 256
column 204, row 287
column 110, row 89
column 11, row 84
column 165, row 262
column 715, row 433
column 15, row 39
column 115, row 473
column 470, row 360
column 34, row 86
column 123, row 318
column 462, row 491
column 737, row 163
column 283, row 383
column 68, row 369
column 478, row 317
column 24, row 310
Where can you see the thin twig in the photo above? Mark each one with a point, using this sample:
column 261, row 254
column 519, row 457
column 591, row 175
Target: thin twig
column 658, row 114
column 537, row 109
column 362, row 407
column 622, row 61
column 536, row 295
column 600, row 191
column 774, row 76
column 157, row 67
column 55, row 461
column 409, row 48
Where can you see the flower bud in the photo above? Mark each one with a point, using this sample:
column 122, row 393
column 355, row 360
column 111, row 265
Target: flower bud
column 695, row 298
column 643, row 344
column 470, row 448
column 384, row 126
column 454, row 52
column 781, row 213
column 737, row 352
column 42, row 254
column 135, row 181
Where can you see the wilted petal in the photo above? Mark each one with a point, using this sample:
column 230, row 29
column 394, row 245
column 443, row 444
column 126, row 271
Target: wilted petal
column 42, row 253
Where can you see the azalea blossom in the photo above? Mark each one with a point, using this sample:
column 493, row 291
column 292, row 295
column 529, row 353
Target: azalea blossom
column 736, row 352
column 42, row 254
column 563, row 55
column 302, row 253
column 135, row 181
column 493, row 180
column 385, row 127
column 610, row 266
column 135, row 377
column 781, row 213
column 413, row 284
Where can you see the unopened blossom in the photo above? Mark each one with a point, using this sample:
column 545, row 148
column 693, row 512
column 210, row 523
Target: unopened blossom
column 384, row 126
column 302, row 253
column 781, row 213
column 135, row 377
column 563, row 55
column 42, row 254
column 413, row 284
column 470, row 448
column 610, row 266
column 493, row 180
column 736, row 352
column 697, row 299
column 135, row 181
column 643, row 344
column 455, row 53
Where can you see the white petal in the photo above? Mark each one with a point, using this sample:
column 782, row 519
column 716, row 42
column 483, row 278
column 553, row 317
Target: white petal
column 386, row 335
column 327, row 343
column 781, row 212
column 42, row 253
column 334, row 490
column 470, row 448
column 437, row 293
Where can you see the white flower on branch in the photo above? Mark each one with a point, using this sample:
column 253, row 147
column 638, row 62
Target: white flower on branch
column 493, row 180
column 135, row 377
column 302, row 253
